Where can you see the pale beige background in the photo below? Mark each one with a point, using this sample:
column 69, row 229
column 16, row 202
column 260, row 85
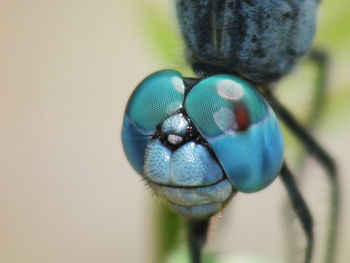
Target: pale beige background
column 67, row 193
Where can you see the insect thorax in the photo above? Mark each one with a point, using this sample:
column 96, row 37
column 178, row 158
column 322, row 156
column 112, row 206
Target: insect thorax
column 257, row 39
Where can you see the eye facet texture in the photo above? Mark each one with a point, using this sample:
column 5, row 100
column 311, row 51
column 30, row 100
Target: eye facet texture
column 240, row 127
column 155, row 99
column 236, row 122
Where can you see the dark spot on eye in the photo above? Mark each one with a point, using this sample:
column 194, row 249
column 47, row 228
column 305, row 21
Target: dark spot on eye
column 242, row 117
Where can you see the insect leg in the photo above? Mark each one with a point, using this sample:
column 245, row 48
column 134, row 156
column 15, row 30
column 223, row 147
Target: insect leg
column 320, row 59
column 197, row 232
column 300, row 209
column 325, row 160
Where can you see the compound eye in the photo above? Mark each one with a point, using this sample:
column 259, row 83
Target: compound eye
column 156, row 98
column 224, row 104
column 240, row 127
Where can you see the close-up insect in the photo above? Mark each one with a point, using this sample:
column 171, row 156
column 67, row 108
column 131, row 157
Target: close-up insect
column 174, row 131
column 198, row 141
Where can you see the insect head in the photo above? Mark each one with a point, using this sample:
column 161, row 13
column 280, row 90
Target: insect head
column 197, row 145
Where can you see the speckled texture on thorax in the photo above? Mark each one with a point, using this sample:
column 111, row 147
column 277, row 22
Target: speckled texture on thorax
column 257, row 39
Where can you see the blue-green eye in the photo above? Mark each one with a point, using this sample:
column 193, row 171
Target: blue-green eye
column 156, row 98
column 240, row 127
column 196, row 147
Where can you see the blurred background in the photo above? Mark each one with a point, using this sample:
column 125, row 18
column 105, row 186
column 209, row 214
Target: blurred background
column 67, row 193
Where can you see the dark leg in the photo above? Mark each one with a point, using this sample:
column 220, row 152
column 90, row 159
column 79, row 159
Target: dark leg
column 325, row 160
column 320, row 59
column 300, row 209
column 197, row 233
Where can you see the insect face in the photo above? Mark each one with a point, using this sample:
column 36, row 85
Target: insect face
column 197, row 146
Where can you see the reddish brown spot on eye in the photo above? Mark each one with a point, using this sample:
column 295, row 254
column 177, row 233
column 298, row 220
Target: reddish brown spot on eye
column 242, row 117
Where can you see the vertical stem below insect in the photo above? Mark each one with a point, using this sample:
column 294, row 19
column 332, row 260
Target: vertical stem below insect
column 197, row 235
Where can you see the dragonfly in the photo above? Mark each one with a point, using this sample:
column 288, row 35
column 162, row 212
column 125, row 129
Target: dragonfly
column 199, row 141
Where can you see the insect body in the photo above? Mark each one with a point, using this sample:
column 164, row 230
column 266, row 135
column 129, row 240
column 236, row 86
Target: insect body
column 199, row 141
column 197, row 146
column 258, row 39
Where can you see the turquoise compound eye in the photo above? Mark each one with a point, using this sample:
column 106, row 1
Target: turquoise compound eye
column 156, row 98
column 241, row 129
